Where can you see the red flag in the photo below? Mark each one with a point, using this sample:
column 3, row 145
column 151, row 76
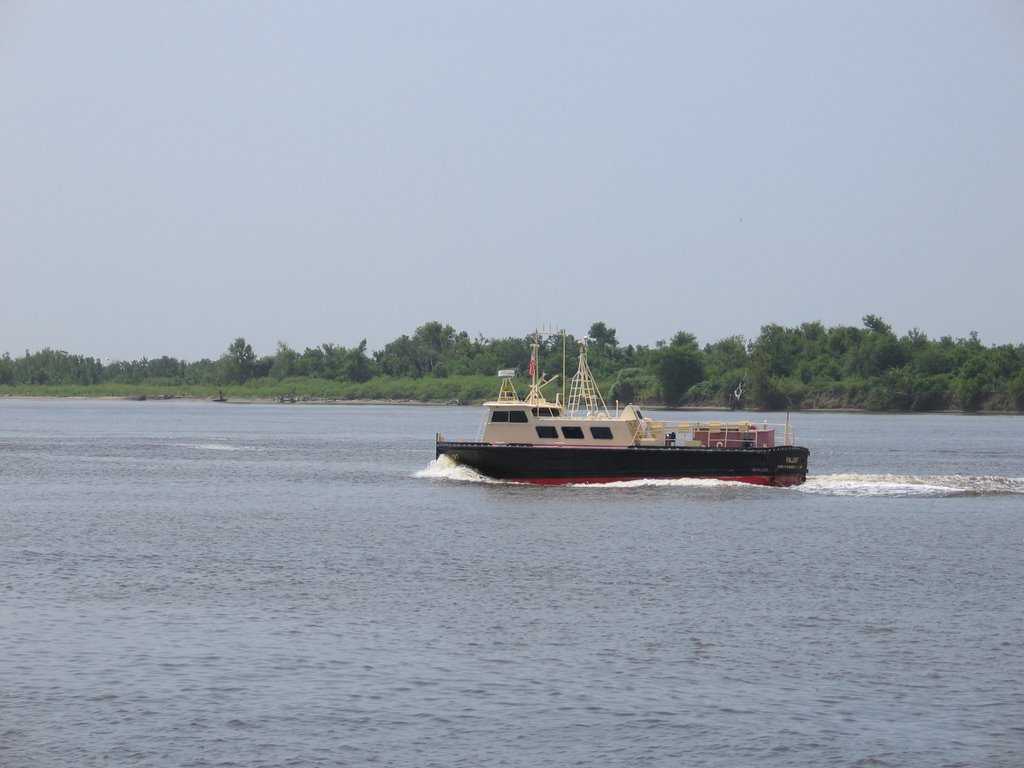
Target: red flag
column 533, row 365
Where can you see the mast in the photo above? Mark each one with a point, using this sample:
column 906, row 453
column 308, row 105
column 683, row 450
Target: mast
column 563, row 365
column 537, row 379
column 584, row 387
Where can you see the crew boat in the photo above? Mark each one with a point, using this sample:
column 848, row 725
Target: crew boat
column 533, row 440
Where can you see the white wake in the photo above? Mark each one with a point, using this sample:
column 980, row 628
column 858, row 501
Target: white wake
column 908, row 486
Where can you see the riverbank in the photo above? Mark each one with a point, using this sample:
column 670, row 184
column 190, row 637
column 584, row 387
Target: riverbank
column 256, row 400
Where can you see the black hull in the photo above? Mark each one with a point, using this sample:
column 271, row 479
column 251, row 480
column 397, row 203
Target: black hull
column 781, row 465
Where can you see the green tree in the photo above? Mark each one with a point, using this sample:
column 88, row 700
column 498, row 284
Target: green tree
column 431, row 342
column 677, row 367
column 285, row 363
column 774, row 357
column 726, row 364
column 973, row 383
column 357, row 366
column 398, row 358
column 602, row 335
column 166, row 368
column 1016, row 390
column 237, row 363
column 879, row 350
column 632, row 385
column 875, row 324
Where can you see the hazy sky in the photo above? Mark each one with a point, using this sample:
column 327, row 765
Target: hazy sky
column 176, row 174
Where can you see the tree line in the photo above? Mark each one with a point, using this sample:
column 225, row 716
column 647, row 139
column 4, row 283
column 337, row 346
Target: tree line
column 807, row 366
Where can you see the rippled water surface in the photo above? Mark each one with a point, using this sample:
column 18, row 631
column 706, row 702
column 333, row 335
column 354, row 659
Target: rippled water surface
column 195, row 584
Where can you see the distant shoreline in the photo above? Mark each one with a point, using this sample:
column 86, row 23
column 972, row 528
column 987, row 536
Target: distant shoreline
column 436, row 403
column 228, row 400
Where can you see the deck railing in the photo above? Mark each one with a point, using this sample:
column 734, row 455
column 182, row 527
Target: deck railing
column 735, row 434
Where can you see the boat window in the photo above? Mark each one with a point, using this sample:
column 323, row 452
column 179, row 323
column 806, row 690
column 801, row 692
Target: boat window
column 573, row 433
column 548, row 412
column 516, row 417
column 601, row 433
column 549, row 432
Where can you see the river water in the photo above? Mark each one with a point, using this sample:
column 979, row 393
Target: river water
column 199, row 584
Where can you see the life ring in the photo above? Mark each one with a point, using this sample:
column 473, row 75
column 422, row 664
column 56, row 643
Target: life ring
column 719, row 444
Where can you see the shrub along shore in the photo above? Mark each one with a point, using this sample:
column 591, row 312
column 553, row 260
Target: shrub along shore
column 807, row 367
